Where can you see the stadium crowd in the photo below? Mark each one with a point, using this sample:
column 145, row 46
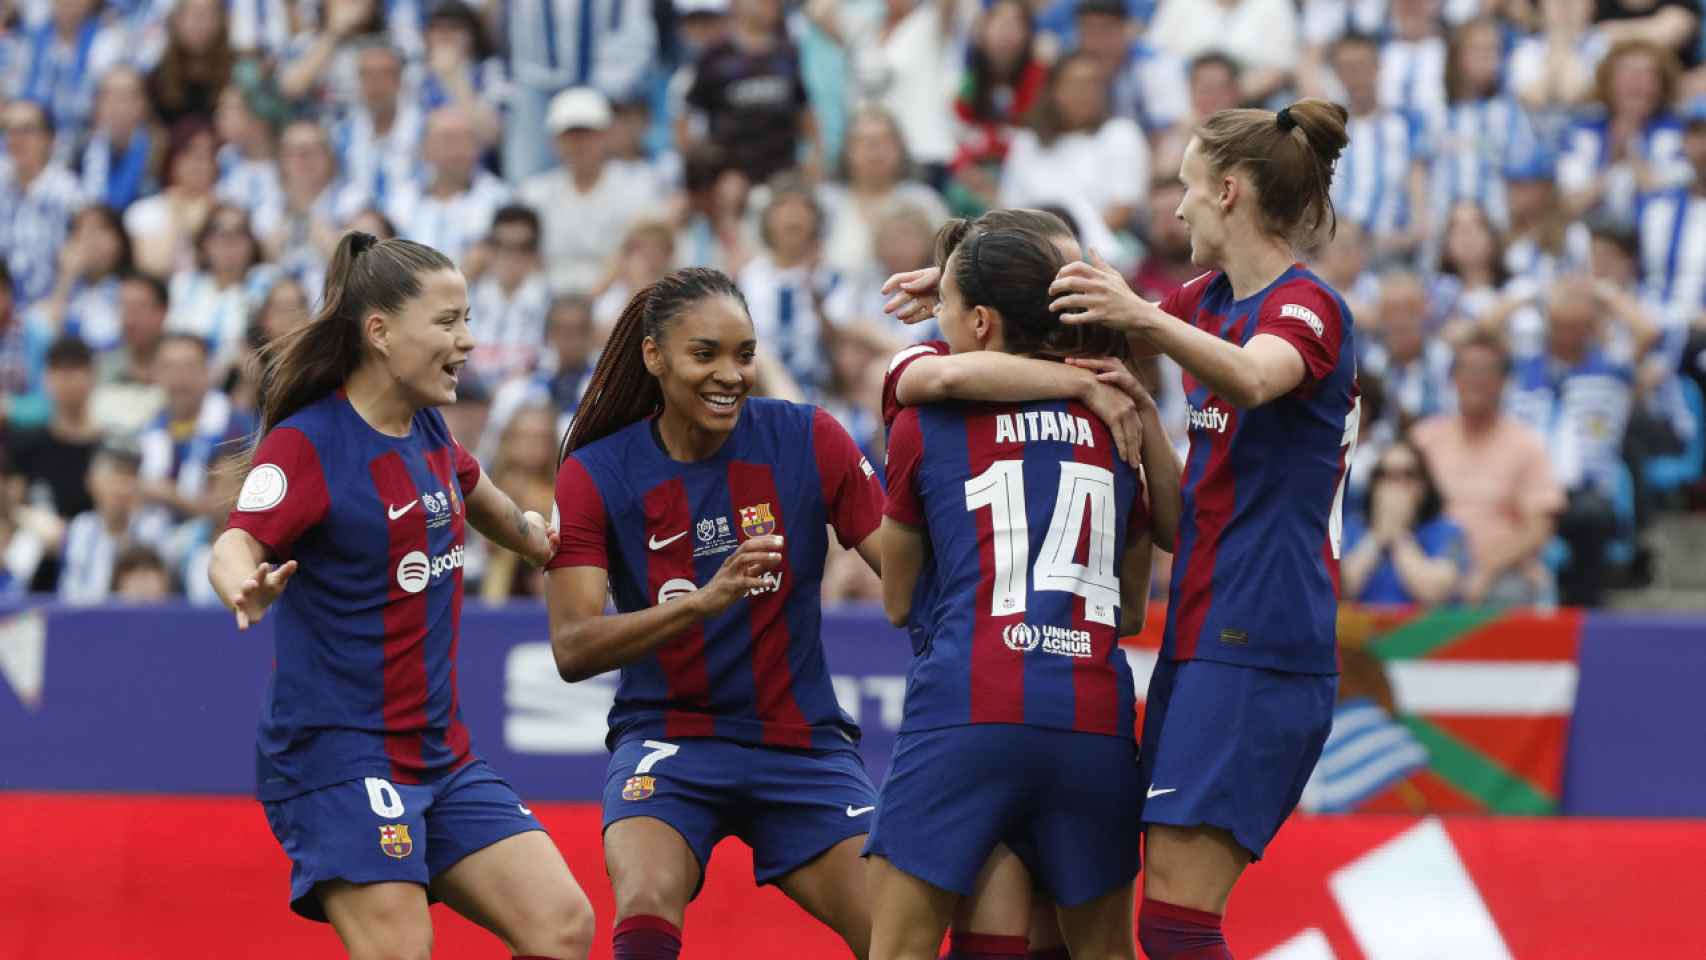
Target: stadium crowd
column 1521, row 233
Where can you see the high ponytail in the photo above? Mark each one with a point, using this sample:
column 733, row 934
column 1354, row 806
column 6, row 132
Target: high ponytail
column 365, row 275
column 622, row 391
column 1289, row 156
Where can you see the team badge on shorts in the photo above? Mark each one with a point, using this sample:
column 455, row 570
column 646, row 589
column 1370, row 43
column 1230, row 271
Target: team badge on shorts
column 394, row 840
column 639, row 788
column 757, row 521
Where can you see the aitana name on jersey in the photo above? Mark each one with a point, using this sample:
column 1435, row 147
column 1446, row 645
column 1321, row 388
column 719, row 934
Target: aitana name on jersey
column 1034, row 425
column 1207, row 418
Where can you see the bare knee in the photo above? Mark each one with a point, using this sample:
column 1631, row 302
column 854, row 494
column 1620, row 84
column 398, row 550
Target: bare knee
column 395, row 942
column 562, row 929
column 658, row 892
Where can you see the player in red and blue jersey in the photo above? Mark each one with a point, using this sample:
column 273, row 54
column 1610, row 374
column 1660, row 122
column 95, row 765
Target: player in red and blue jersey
column 704, row 514
column 1242, row 699
column 350, row 523
column 994, row 923
column 1018, row 685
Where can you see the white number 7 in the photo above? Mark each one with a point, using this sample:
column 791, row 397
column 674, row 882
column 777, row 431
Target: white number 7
column 660, row 751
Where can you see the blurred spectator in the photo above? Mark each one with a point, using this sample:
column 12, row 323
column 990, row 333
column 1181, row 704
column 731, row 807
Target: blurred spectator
column 631, row 134
column 586, row 204
column 1578, row 398
column 561, row 379
column 1078, row 156
column 187, row 548
column 525, row 467
column 261, row 28
column 1260, row 34
column 906, row 56
column 213, row 302
column 1495, row 480
column 300, row 232
column 1480, row 129
column 53, row 461
column 711, row 208
column 1472, row 272
column 179, row 446
column 1543, row 241
column 450, row 206
column 1673, row 24
column 1413, row 63
column 1635, row 145
column 320, row 68
column 555, row 44
column 248, row 157
column 876, row 170
column 646, row 255
column 509, row 301
column 127, row 397
column 37, row 198
column 164, row 226
column 748, row 96
column 140, row 576
column 1553, row 70
column 1148, row 84
column 94, row 538
column 1002, row 82
column 84, row 302
column 369, row 220
column 1344, row 263
column 284, row 309
column 1380, row 181
column 905, row 238
column 60, row 60
column 464, row 71
column 1672, row 227
column 378, row 141
column 1409, row 553
column 1415, row 369
column 1166, row 264
column 1212, row 82
column 197, row 63
column 785, row 285
column 121, row 161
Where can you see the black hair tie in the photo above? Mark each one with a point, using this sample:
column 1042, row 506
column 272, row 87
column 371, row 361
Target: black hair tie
column 360, row 243
column 976, row 267
column 1285, row 121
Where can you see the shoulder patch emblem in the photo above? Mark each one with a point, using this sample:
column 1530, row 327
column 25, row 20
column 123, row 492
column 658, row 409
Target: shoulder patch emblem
column 263, row 489
column 1299, row 312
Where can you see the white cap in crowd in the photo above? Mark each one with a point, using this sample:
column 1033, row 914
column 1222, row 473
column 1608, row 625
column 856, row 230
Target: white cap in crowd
column 578, row 108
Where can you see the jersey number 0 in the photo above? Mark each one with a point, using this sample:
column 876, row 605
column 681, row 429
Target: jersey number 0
column 1084, row 489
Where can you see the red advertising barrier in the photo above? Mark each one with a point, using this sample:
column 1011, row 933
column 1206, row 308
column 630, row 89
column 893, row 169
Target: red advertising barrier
column 115, row 876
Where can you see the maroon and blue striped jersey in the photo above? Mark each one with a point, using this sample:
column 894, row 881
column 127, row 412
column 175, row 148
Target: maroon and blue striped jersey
column 1256, row 575
column 661, row 529
column 1028, row 509
column 366, row 631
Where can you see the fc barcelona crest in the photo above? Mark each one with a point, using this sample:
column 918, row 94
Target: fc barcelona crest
column 639, row 788
column 394, row 840
column 757, row 520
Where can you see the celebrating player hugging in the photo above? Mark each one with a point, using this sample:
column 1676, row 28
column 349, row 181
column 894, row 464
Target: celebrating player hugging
column 704, row 514
column 351, row 520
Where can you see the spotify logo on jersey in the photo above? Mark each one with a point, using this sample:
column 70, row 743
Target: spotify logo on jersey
column 415, row 570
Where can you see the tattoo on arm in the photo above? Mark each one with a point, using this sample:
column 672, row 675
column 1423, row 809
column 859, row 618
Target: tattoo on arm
column 519, row 519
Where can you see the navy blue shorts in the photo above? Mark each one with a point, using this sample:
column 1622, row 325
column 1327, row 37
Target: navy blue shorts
column 373, row 831
column 788, row 805
column 1067, row 803
column 1231, row 747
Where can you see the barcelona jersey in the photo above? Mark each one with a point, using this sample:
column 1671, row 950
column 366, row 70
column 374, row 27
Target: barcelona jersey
column 1256, row 574
column 1028, row 510
column 367, row 628
column 661, row 528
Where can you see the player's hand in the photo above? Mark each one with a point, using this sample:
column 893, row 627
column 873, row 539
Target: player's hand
column 541, row 539
column 912, row 295
column 741, row 574
column 1118, row 400
column 1096, row 293
column 259, row 591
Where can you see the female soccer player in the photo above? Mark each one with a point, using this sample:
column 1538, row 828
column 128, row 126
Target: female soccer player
column 1242, row 700
column 1019, row 685
column 703, row 513
column 994, row 918
column 351, row 519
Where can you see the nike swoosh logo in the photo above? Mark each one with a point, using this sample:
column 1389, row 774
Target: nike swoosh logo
column 523, row 808
column 395, row 512
column 853, row 811
column 1153, row 793
column 657, row 544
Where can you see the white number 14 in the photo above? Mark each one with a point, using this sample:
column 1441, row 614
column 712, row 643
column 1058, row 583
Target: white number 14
column 1083, row 489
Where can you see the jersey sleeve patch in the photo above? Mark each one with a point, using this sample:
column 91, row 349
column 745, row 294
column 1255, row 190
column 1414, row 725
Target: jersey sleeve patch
column 285, row 493
column 1308, row 318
